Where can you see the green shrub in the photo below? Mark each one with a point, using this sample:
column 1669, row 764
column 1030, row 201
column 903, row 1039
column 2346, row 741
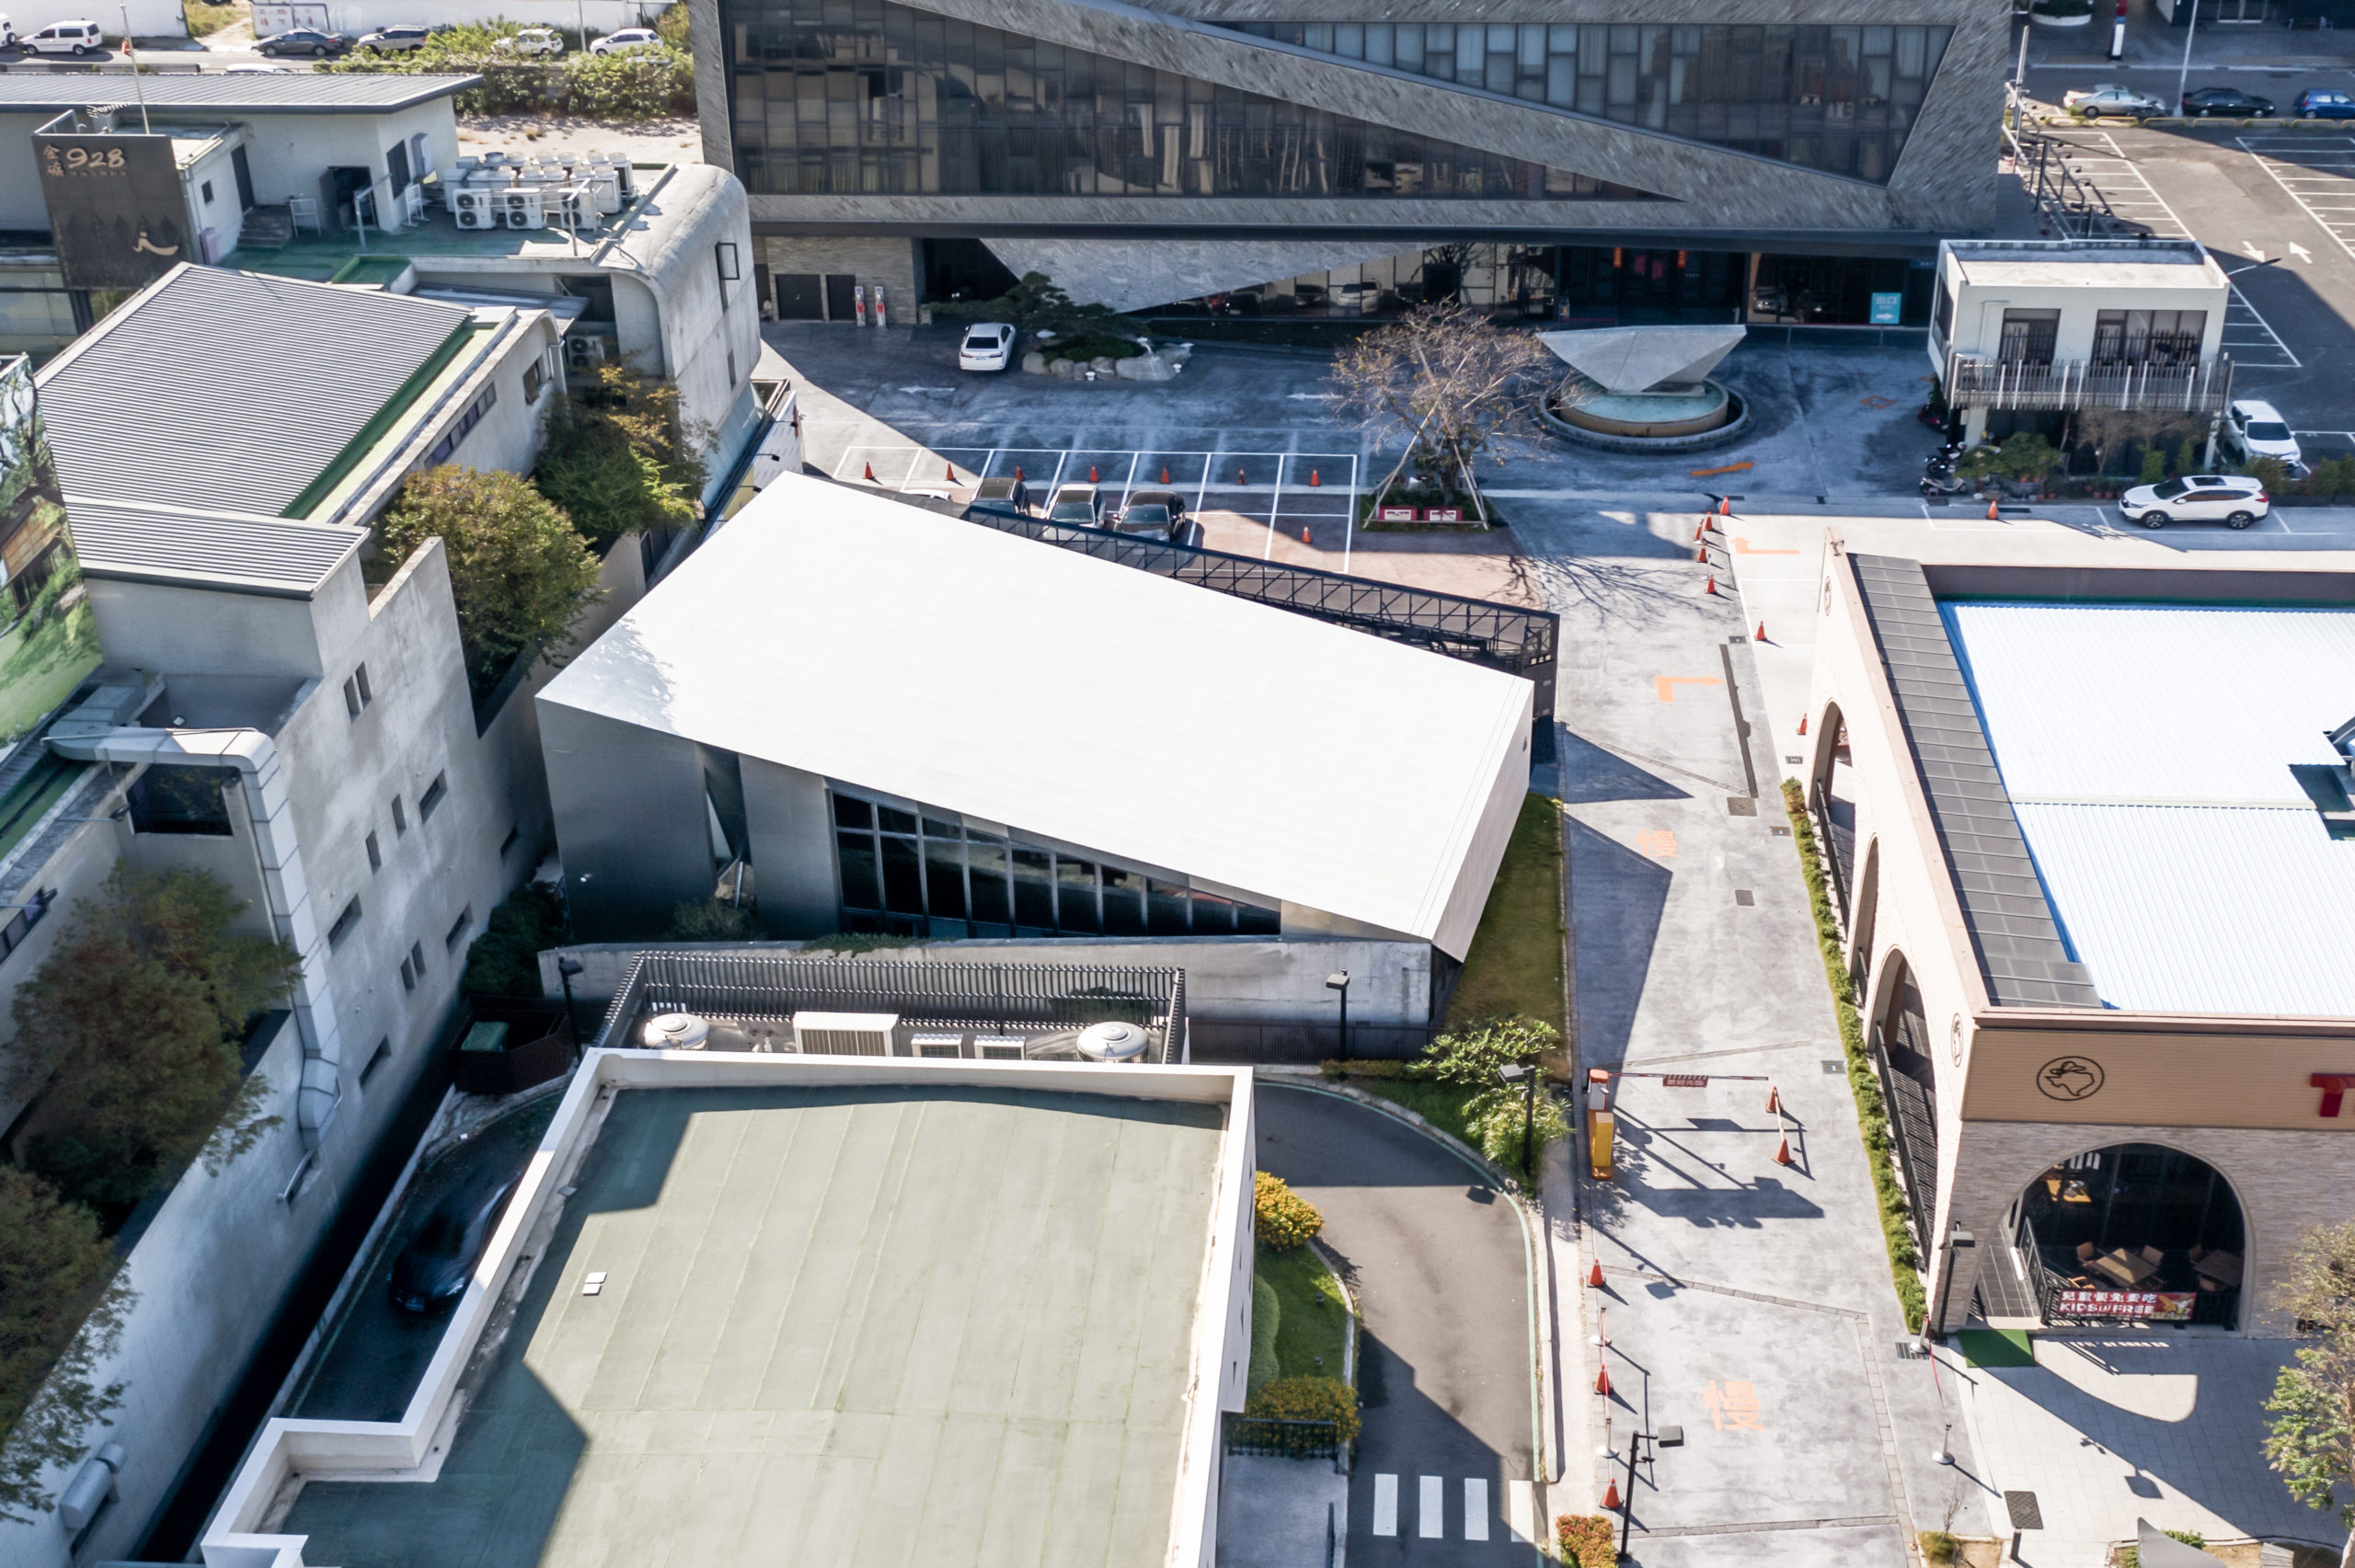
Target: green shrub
column 1362, row 1067
column 1939, row 1547
column 1588, row 1541
column 2331, row 476
column 673, row 28
column 62, row 1304
column 505, row 959
column 2187, row 456
column 2154, row 465
column 1502, row 1120
column 1267, row 1318
column 1282, row 1218
column 644, row 84
column 620, row 458
column 1471, row 1058
column 711, row 919
column 1307, row 1399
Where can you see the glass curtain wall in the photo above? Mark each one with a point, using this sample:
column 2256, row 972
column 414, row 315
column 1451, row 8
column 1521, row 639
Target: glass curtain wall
column 926, row 873
column 864, row 97
column 1835, row 98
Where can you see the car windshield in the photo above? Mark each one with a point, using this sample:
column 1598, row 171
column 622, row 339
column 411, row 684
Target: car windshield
column 1140, row 517
column 2267, row 431
column 982, row 341
column 2171, row 490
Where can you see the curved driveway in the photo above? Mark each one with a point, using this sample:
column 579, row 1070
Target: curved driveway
column 1436, row 1259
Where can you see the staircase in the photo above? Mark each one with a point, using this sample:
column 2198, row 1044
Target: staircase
column 267, row 228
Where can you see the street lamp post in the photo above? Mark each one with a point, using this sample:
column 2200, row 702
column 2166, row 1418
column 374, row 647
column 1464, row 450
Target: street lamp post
column 1339, row 982
column 1666, row 1438
column 567, row 965
column 2190, row 28
column 1519, row 1074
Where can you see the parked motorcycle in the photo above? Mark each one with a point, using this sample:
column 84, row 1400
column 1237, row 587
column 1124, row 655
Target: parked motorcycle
column 1944, row 482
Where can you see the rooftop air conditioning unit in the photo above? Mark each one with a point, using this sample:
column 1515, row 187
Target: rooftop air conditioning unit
column 575, row 208
column 1114, row 1042
column 625, row 177
column 999, row 1047
column 676, row 1032
column 583, row 348
column 947, row 1048
column 522, row 208
column 845, row 1034
column 475, row 208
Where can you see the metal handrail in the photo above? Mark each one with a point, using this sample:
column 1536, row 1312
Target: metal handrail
column 1973, row 382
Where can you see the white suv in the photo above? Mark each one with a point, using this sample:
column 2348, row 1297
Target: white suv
column 67, row 37
column 2254, row 428
column 531, row 40
column 2234, row 499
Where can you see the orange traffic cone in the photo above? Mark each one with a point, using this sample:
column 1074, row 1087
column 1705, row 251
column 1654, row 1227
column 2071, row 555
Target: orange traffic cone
column 1165, row 473
column 1018, row 473
column 1304, row 536
column 1091, row 473
column 1700, row 532
column 951, row 471
column 1783, row 1153
column 1611, row 1496
column 870, row 474
column 1700, row 552
column 1595, row 1276
column 1992, row 514
column 1602, row 1381
column 1802, row 724
column 1725, row 506
column 1711, row 586
column 1239, row 478
column 1762, row 631
column 1312, row 477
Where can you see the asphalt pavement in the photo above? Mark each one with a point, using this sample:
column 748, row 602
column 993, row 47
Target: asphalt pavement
column 1436, row 1259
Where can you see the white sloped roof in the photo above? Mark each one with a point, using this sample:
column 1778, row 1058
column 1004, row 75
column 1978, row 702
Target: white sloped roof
column 885, row 646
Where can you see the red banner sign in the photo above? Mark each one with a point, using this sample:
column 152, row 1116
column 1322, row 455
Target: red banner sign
column 1394, row 514
column 2161, row 1305
column 1444, row 514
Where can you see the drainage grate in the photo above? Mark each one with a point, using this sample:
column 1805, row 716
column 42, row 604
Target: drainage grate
column 2026, row 1515
column 1834, row 1067
column 1742, row 806
column 1779, row 830
column 1744, row 896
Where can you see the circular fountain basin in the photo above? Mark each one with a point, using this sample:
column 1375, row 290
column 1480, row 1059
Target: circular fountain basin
column 1673, row 419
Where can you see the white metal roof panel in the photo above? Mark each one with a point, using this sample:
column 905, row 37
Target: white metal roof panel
column 883, row 645
column 258, row 554
column 2203, row 908
column 2146, row 751
column 231, row 391
column 300, row 92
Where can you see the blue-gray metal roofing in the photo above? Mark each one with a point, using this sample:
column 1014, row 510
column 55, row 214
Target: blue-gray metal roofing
column 302, row 92
column 2022, row 956
column 2147, row 751
column 231, row 391
column 254, row 555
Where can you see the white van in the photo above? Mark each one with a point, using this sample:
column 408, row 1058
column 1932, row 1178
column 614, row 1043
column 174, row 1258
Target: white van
column 68, row 37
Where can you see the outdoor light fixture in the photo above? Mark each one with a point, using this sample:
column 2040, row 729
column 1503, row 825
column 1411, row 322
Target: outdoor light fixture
column 1666, row 1438
column 1339, row 980
column 567, row 965
column 1511, row 1074
column 729, row 271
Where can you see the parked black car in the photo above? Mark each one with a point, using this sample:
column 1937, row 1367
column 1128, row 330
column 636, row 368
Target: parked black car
column 302, row 40
column 432, row 1270
column 2229, row 101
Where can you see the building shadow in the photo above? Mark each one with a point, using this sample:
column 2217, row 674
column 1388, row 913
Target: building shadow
column 1590, row 774
column 1616, row 899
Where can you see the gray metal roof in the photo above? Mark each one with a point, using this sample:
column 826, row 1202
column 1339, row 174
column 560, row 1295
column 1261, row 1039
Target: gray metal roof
column 231, row 391
column 2148, row 750
column 299, row 93
column 2021, row 954
column 253, row 555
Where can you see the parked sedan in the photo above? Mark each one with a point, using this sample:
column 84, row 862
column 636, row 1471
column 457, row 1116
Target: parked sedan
column 2111, row 98
column 988, row 346
column 2323, row 103
column 2234, row 499
column 302, row 40
column 392, row 40
column 432, row 1270
column 1077, row 504
column 2229, row 101
column 531, row 40
column 622, row 43
column 2255, row 429
column 1153, row 514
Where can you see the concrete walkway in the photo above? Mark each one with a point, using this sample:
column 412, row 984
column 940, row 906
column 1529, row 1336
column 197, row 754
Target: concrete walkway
column 1281, row 1513
column 1747, row 1301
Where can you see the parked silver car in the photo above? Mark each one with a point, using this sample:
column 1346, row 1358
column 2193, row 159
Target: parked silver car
column 392, row 40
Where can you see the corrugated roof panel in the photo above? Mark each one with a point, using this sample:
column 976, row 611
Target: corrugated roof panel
column 151, row 544
column 2203, row 908
column 298, row 93
column 2144, row 701
column 231, row 391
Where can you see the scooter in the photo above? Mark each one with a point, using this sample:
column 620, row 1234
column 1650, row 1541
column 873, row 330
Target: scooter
column 1943, row 482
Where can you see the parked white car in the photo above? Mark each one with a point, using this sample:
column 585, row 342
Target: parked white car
column 531, row 40
column 2234, row 499
column 68, row 37
column 2255, row 429
column 988, row 346
column 622, row 43
column 2111, row 98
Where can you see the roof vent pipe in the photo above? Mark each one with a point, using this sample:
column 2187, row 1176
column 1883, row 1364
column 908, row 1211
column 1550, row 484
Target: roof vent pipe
column 86, row 738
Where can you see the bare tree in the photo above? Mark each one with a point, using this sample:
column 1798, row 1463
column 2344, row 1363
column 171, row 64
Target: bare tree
column 2312, row 1438
column 1449, row 381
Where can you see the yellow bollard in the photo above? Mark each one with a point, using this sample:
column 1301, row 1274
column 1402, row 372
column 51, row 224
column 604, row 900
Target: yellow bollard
column 1598, row 1143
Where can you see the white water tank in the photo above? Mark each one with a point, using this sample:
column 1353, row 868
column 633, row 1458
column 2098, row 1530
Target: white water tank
column 676, row 1032
column 1114, row 1042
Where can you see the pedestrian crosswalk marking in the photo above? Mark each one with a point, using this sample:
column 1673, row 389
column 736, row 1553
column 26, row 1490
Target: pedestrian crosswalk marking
column 1521, row 1510
column 1476, row 1508
column 1430, row 1518
column 1386, row 1504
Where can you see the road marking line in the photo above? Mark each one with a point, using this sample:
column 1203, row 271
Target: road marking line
column 1521, row 1511
column 1430, row 1513
column 1386, row 1504
column 1666, row 684
column 1476, row 1508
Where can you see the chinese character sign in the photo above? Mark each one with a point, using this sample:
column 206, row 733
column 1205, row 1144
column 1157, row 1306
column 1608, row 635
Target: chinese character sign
column 1733, row 1407
column 115, row 206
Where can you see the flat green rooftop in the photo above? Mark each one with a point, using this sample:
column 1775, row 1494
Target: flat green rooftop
column 840, row 1327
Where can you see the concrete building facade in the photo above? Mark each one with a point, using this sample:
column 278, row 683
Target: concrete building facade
column 1579, row 144
column 2103, row 993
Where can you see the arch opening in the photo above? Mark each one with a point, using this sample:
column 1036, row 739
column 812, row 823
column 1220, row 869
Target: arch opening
column 2133, row 1232
column 1830, row 801
column 1899, row 1040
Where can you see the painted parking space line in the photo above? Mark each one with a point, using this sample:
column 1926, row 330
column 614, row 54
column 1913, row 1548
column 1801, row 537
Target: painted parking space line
column 1430, row 1511
column 2317, row 178
column 1476, row 1508
column 1386, row 1504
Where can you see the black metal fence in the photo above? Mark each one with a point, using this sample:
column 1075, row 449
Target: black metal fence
column 980, row 996
column 1502, row 636
column 1291, row 1439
